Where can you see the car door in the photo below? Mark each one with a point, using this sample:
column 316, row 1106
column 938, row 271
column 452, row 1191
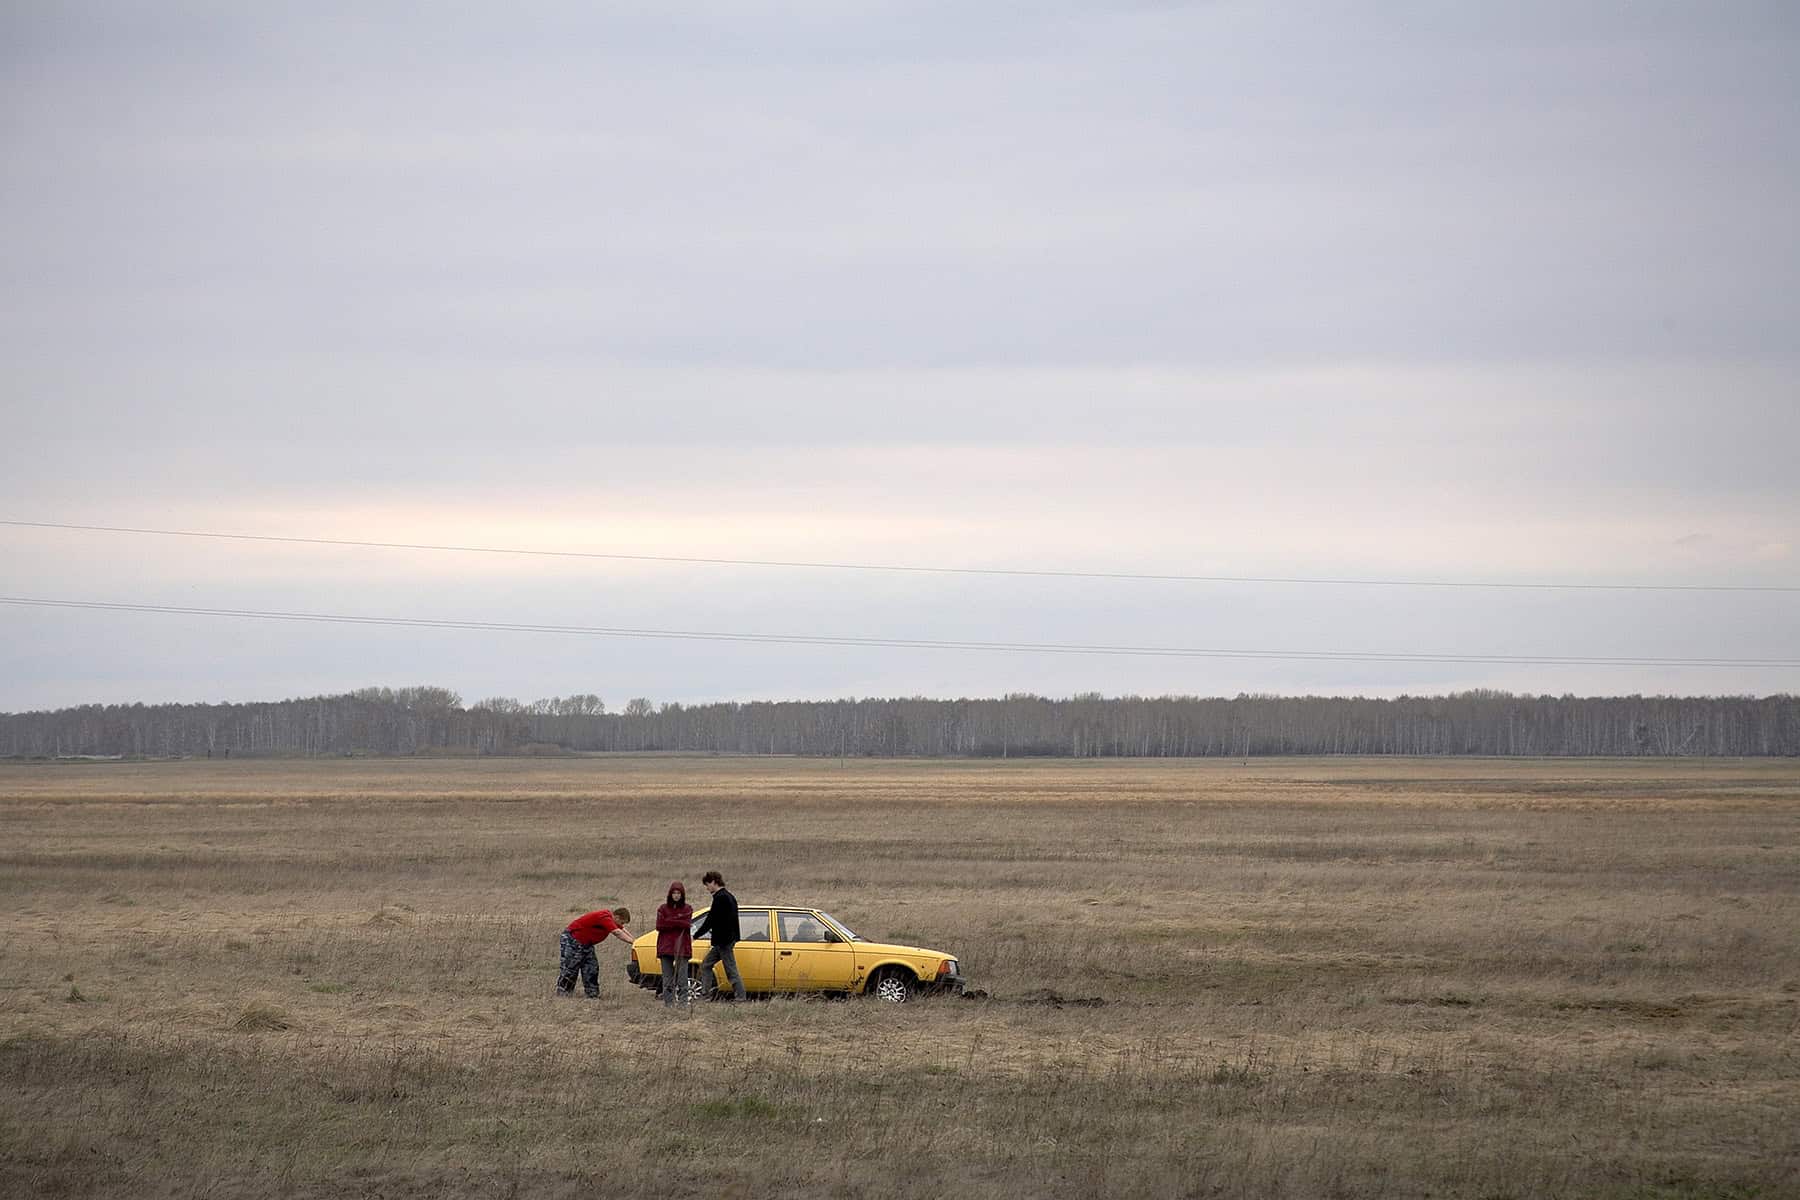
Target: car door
column 809, row 954
column 755, row 952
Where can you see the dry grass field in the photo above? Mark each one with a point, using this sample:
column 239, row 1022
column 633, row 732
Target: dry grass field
column 1312, row 978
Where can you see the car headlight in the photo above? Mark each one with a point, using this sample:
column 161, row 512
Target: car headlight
column 947, row 967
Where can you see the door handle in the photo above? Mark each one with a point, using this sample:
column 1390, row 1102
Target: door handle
column 786, row 953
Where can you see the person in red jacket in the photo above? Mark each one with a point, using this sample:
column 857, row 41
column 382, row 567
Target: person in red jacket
column 578, row 942
column 675, row 944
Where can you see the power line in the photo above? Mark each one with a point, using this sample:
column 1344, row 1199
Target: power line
column 915, row 569
column 904, row 643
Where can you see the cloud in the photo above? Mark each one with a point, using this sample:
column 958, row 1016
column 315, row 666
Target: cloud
column 1179, row 187
column 1434, row 291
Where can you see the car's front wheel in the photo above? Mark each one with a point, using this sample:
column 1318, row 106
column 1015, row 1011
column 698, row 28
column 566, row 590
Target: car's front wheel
column 693, row 981
column 895, row 985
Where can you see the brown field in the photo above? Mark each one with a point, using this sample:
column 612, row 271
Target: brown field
column 1317, row 978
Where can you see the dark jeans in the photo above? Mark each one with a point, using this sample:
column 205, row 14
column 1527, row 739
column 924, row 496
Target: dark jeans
column 578, row 959
column 675, row 979
column 722, row 954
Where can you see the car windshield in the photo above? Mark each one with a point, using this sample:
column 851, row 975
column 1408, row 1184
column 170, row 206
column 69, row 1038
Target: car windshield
column 845, row 929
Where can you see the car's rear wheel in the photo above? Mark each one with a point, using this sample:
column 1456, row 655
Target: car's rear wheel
column 895, row 985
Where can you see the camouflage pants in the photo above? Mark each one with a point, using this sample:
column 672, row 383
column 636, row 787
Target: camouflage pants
column 578, row 959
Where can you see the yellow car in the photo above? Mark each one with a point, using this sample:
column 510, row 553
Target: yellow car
column 786, row 949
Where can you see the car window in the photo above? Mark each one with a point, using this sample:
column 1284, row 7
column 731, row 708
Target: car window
column 845, row 929
column 753, row 924
column 804, row 927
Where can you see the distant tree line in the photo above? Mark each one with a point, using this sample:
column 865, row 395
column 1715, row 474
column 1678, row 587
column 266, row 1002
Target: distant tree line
column 430, row 720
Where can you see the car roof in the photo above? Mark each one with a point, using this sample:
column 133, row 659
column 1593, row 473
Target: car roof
column 795, row 907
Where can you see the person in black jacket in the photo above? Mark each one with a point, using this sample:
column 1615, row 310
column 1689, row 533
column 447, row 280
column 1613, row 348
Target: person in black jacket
column 721, row 924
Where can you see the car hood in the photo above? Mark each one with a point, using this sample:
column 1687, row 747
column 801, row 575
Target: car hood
column 891, row 948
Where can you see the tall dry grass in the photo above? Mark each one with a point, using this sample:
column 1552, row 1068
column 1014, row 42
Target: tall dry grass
column 1315, row 978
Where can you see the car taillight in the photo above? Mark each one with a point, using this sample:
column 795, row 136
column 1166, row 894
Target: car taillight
column 947, row 967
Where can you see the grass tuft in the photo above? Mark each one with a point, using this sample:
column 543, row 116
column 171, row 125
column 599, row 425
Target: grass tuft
column 742, row 1108
column 257, row 1017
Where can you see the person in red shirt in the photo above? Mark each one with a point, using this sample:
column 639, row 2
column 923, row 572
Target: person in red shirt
column 578, row 942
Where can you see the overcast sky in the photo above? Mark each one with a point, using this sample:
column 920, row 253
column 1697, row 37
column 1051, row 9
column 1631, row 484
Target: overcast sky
column 1501, row 293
